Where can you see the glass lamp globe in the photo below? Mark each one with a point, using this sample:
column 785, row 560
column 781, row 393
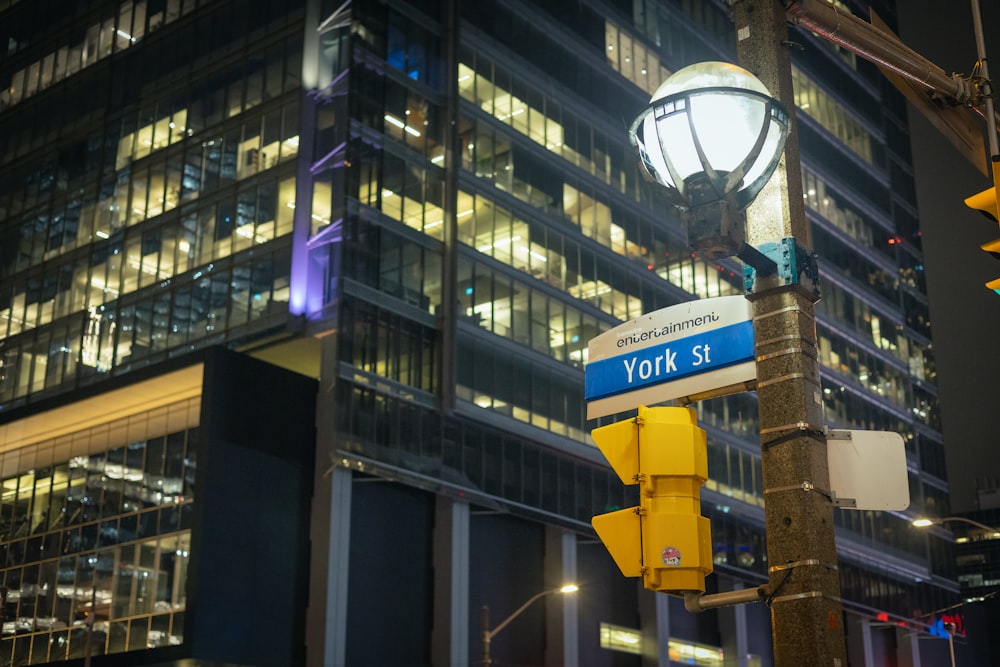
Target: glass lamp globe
column 711, row 132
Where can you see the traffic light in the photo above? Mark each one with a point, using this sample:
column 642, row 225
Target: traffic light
column 986, row 203
column 665, row 540
column 993, row 247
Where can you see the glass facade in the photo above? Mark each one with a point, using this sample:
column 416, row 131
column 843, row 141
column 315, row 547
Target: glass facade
column 442, row 192
column 977, row 552
column 96, row 538
column 161, row 209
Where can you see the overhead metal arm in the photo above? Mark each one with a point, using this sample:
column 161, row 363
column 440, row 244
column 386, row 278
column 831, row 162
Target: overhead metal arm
column 860, row 37
column 937, row 95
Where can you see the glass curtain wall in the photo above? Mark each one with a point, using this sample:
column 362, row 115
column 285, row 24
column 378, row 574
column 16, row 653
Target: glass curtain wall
column 95, row 538
column 163, row 221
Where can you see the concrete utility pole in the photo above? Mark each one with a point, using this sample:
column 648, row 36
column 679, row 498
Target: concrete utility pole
column 806, row 613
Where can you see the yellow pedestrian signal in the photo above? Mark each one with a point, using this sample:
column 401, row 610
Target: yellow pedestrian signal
column 986, row 203
column 665, row 540
column 621, row 533
column 992, row 247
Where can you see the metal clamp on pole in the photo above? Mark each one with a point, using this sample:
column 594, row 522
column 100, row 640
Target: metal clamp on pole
column 781, row 311
column 803, row 596
column 791, row 565
column 791, row 432
column 788, row 351
column 806, row 486
column 787, row 568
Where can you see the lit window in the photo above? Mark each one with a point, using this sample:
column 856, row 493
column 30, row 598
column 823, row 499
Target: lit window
column 831, row 115
column 694, row 654
column 617, row 638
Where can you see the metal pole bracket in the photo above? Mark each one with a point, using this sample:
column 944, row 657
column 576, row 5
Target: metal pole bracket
column 796, row 266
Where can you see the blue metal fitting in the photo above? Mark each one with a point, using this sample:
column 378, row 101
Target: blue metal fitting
column 795, row 266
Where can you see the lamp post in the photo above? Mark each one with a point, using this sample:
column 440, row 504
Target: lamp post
column 806, row 612
column 489, row 634
column 925, row 522
column 950, row 627
column 804, row 588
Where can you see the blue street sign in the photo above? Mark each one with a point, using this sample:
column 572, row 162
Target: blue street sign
column 669, row 361
column 699, row 348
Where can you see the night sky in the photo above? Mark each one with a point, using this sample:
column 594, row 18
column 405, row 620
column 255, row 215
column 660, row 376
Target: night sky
column 965, row 316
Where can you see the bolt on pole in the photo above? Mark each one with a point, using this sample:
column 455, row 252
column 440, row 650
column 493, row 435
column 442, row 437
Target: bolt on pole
column 804, row 588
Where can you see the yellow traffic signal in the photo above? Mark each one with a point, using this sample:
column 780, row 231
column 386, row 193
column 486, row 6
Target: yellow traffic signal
column 992, row 247
column 665, row 540
column 986, row 203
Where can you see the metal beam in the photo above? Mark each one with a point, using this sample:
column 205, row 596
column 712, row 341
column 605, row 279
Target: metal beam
column 885, row 50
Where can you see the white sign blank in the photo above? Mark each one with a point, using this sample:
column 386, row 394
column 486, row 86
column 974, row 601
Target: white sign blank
column 868, row 467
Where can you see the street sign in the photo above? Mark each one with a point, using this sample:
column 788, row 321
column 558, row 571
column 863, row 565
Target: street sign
column 689, row 349
column 868, row 470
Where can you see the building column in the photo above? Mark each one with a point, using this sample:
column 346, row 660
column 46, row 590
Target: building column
column 329, row 530
column 733, row 626
column 859, row 652
column 907, row 647
column 740, row 621
column 326, row 617
column 654, row 619
column 335, row 649
column 562, row 612
column 450, row 634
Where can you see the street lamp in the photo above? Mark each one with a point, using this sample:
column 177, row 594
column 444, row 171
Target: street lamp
column 488, row 634
column 924, row 522
column 711, row 136
column 711, row 189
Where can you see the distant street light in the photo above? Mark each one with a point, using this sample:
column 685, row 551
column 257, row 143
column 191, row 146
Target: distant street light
column 488, row 634
column 924, row 522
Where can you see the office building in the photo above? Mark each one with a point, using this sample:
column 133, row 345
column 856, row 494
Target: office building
column 429, row 207
column 977, row 560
